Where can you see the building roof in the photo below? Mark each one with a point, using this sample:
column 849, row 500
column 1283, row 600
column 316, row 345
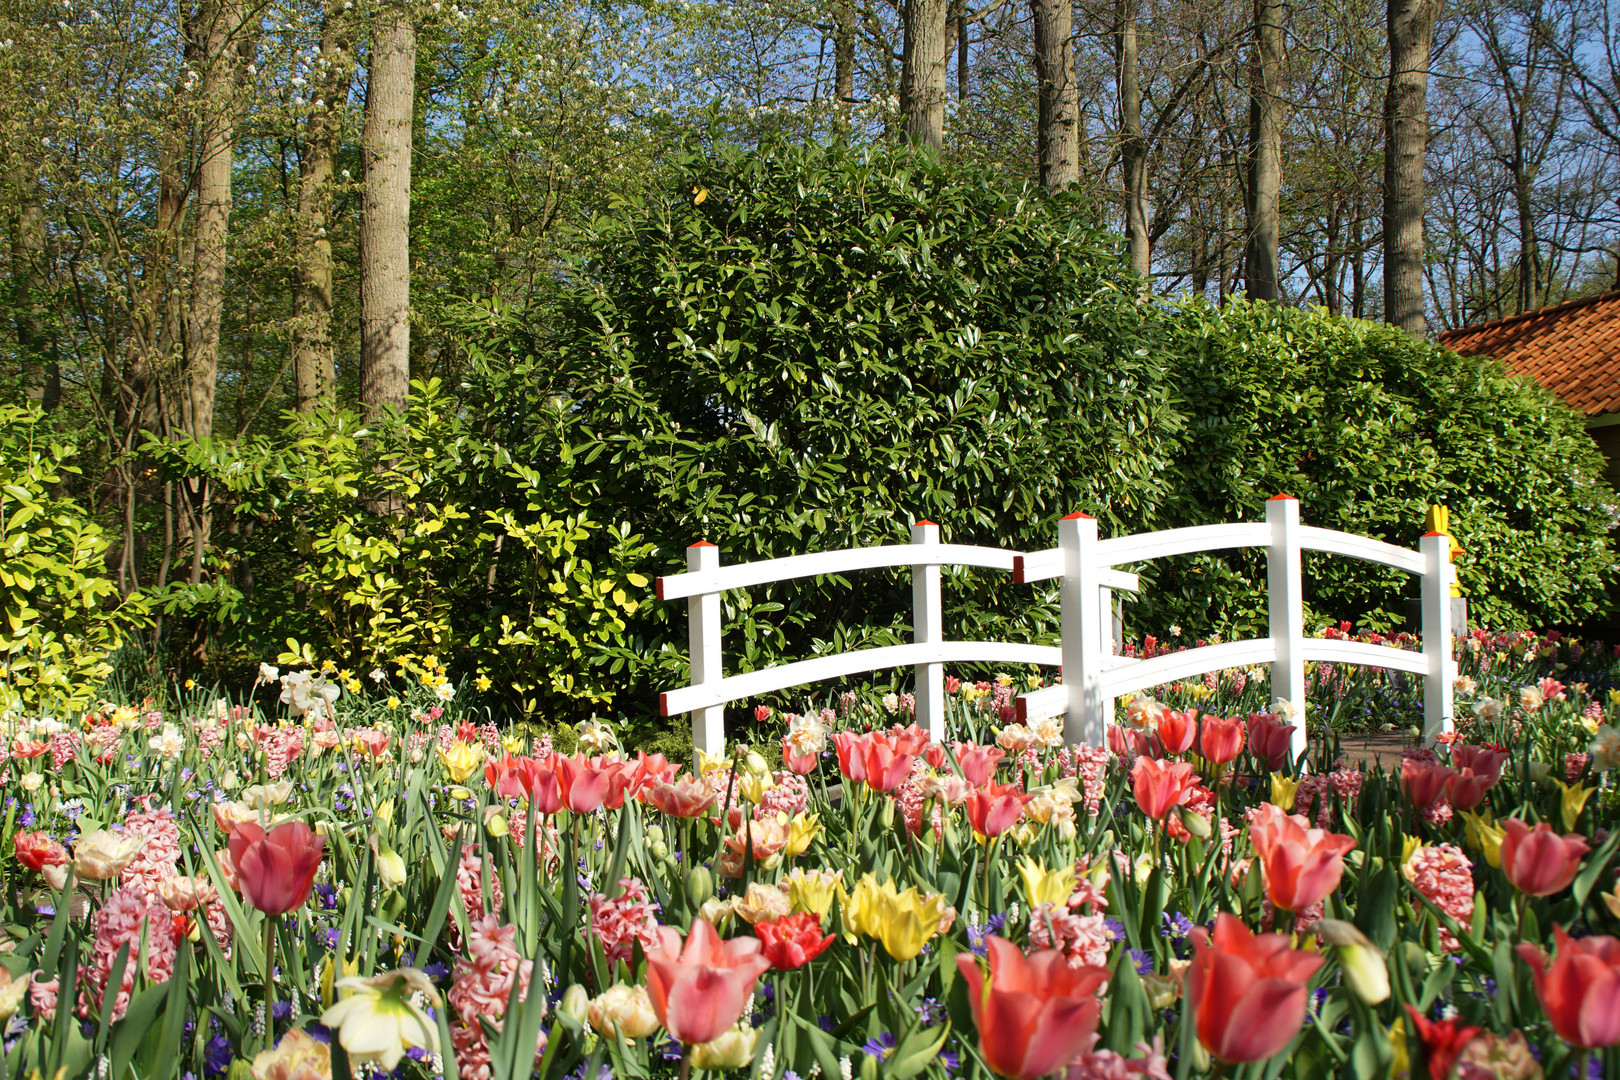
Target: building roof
column 1573, row 349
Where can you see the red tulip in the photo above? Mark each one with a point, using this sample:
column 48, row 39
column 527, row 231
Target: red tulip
column 995, row 809
column 1247, row 992
column 275, row 871
column 885, row 769
column 802, row 764
column 1467, row 789
column 1539, row 862
column 793, row 940
column 1220, row 741
column 1442, row 1041
column 908, row 740
column 651, row 769
column 36, row 850
column 1036, row 1013
column 851, row 751
column 544, row 783
column 1484, row 760
column 506, row 777
column 978, row 763
column 1177, row 730
column 1424, row 784
column 1303, row 865
column 1160, row 785
column 700, row 990
column 1271, row 740
column 1580, row 992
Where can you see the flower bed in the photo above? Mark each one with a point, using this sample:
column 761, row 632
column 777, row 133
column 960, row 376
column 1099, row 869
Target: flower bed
column 343, row 883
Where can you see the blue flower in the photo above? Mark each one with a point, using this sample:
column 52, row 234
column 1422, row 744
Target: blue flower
column 880, row 1047
column 217, row 1055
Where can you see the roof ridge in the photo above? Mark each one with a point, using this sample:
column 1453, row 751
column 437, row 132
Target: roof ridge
column 1522, row 316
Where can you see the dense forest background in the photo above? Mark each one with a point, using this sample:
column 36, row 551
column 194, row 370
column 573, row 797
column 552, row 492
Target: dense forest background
column 232, row 221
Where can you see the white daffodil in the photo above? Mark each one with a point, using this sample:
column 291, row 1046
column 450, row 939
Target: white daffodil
column 375, row 1020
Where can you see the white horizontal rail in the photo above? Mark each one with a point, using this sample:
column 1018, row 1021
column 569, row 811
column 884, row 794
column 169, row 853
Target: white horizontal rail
column 846, row 560
column 1365, row 548
column 1186, row 664
column 1042, row 565
column 1364, row 654
column 799, row 673
column 1141, row 547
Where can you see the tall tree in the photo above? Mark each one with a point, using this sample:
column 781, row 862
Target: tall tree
column 385, row 272
column 1410, row 26
column 1057, row 131
column 313, row 373
column 1132, row 138
column 1265, row 153
column 41, row 377
column 923, row 67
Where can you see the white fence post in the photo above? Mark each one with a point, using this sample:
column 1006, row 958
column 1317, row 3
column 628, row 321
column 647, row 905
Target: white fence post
column 703, row 628
column 1285, row 603
column 1437, row 639
column 1083, row 721
column 928, row 627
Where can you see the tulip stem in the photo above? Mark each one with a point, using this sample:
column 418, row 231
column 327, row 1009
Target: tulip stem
column 686, row 1061
column 270, row 980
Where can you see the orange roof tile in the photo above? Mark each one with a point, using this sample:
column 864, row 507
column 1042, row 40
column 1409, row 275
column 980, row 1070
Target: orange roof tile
column 1573, row 349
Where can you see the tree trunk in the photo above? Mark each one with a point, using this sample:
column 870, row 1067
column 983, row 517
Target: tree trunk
column 1261, row 270
column 843, row 65
column 385, row 273
column 1133, row 141
column 1333, row 262
column 313, row 373
column 1358, row 265
column 1057, row 130
column 1410, row 27
column 42, row 381
column 922, row 72
column 964, row 73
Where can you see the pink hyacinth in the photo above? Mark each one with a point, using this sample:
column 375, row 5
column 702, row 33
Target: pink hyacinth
column 1084, row 939
column 482, row 985
column 470, row 878
column 1444, row 875
column 160, row 856
column 64, row 748
column 1108, row 1065
column 1089, row 764
column 120, row 922
column 1574, row 765
column 790, row 795
column 42, row 996
column 626, row 919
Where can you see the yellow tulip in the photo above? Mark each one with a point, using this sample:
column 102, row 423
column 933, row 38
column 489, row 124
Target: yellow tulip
column 752, row 786
column 707, row 764
column 1282, row 792
column 329, row 977
column 512, row 744
column 1572, row 799
column 903, row 922
column 1484, row 835
column 813, row 890
column 1402, row 1065
column 802, row 831
column 461, row 761
column 1409, row 846
column 1042, row 886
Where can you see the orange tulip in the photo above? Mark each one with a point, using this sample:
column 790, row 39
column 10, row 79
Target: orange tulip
column 1538, row 861
column 1247, row 991
column 1177, row 730
column 1580, row 992
column 1220, row 741
column 1303, row 865
column 700, row 990
column 1036, row 1013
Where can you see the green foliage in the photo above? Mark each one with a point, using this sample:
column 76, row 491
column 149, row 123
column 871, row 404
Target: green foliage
column 807, row 348
column 1367, row 427
column 61, row 614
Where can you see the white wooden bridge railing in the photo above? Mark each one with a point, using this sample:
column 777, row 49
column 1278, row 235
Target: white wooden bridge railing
column 1087, row 567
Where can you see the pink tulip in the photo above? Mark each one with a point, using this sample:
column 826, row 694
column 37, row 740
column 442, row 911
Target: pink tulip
column 995, row 809
column 1424, row 784
column 1484, row 760
column 1539, row 862
column 275, row 871
column 1303, row 865
column 1177, row 730
column 1580, row 992
column 1160, row 786
column 588, row 784
column 885, row 769
column 802, row 764
column 978, row 763
column 700, row 990
column 1035, row 1013
column 1271, row 740
column 1220, row 741
column 1247, row 992
column 1467, row 789
column 851, row 751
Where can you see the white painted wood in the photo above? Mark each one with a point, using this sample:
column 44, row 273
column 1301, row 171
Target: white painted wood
column 1171, row 667
column 1285, row 606
column 843, row 561
column 704, row 628
column 1082, row 631
column 1044, row 565
column 1365, row 548
column 1054, row 700
column 928, row 623
column 820, row 668
column 1364, row 654
column 1144, row 546
column 1439, row 667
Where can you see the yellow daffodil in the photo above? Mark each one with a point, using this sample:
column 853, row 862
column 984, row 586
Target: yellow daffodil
column 1283, row 790
column 483, row 683
column 352, row 685
column 1484, row 836
column 1572, row 800
column 461, row 760
column 813, row 890
column 376, row 1022
column 1043, row 886
column 802, row 832
column 392, row 703
column 1402, row 1066
column 329, row 977
column 903, row 922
